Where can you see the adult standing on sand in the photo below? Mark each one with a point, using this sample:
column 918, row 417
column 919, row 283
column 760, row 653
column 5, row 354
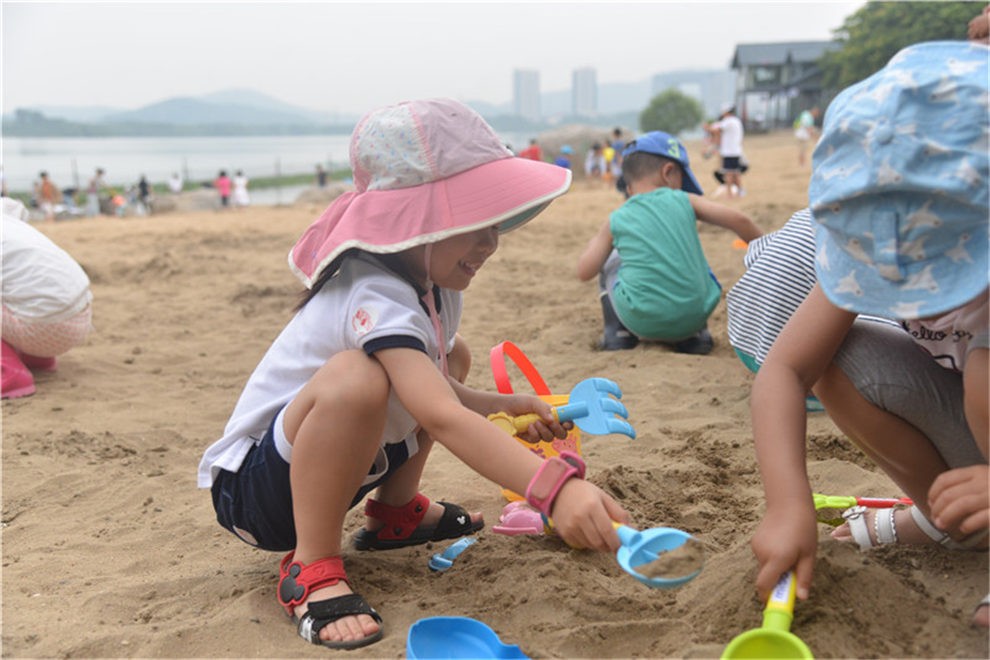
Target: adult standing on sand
column 805, row 131
column 48, row 196
column 728, row 131
column 223, row 186
column 241, row 197
column 96, row 186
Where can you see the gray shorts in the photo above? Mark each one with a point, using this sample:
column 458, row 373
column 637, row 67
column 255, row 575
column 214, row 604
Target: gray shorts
column 895, row 374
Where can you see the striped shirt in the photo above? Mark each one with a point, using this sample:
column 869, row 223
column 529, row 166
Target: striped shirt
column 780, row 271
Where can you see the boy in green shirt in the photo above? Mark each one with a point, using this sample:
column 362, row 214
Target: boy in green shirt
column 655, row 281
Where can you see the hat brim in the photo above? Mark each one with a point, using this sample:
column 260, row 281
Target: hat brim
column 859, row 287
column 507, row 192
column 690, row 181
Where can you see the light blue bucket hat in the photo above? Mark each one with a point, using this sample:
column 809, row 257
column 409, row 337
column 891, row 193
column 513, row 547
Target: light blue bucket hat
column 899, row 187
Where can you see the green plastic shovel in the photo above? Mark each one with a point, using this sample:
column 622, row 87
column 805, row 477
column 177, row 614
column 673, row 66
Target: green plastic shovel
column 774, row 639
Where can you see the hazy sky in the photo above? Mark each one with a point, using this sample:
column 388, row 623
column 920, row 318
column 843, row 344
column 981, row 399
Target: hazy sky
column 351, row 57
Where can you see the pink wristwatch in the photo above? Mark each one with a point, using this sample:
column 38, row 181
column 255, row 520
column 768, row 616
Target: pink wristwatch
column 551, row 477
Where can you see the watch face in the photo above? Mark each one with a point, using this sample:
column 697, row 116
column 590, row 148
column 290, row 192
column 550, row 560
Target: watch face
column 553, row 471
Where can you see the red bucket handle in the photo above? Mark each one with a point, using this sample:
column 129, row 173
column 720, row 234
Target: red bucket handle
column 501, row 373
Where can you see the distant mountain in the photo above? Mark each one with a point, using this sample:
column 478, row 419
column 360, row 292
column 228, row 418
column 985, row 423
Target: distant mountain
column 486, row 109
column 76, row 113
column 245, row 111
column 254, row 99
column 185, row 111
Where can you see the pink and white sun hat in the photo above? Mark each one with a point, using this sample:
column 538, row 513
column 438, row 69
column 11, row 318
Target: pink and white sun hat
column 425, row 170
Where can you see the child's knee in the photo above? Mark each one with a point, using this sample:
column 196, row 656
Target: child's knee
column 351, row 381
column 459, row 359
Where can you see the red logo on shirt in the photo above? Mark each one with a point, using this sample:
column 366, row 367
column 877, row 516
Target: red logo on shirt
column 364, row 320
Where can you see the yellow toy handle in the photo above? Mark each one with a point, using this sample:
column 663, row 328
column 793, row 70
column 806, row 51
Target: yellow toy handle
column 519, row 424
column 779, row 611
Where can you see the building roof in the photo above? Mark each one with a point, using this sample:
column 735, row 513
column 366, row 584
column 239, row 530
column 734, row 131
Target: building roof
column 781, row 53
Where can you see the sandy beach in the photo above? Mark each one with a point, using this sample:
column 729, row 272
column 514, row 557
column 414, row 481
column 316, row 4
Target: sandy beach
column 109, row 550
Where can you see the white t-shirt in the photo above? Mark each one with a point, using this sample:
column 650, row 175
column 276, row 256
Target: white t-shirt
column 365, row 306
column 731, row 132
column 41, row 281
column 950, row 337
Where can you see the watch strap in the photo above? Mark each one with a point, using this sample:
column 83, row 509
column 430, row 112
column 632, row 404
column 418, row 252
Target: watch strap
column 551, row 477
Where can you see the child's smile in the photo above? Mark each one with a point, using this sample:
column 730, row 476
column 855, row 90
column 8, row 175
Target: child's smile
column 456, row 260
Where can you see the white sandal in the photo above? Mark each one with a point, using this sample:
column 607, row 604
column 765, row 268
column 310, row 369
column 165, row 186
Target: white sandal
column 885, row 530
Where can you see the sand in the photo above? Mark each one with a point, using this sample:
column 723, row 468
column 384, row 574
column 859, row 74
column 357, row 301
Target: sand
column 109, row 549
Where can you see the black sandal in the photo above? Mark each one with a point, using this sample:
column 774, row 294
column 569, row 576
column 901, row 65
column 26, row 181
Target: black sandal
column 298, row 580
column 402, row 529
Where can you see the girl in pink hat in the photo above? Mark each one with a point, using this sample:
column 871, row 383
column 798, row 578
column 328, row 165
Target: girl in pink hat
column 369, row 373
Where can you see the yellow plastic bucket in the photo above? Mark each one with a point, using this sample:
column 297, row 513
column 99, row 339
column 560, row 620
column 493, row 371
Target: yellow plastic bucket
column 509, row 351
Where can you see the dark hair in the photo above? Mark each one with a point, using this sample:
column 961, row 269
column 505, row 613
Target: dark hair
column 391, row 261
column 640, row 164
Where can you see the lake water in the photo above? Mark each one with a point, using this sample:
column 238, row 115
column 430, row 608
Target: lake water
column 71, row 162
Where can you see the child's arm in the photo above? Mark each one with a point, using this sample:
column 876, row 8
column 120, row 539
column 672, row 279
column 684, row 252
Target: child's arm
column 595, row 253
column 976, row 396
column 723, row 216
column 582, row 512
column 787, row 537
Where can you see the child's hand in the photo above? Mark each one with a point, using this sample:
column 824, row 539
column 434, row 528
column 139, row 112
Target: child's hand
column 524, row 404
column 960, row 499
column 786, row 539
column 583, row 513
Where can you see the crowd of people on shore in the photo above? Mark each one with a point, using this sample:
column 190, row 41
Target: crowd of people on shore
column 99, row 198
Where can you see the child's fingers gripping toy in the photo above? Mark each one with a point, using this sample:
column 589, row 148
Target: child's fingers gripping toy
column 590, row 407
column 507, row 351
column 661, row 557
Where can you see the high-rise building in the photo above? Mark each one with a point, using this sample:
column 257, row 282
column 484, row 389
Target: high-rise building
column 584, row 92
column 526, row 93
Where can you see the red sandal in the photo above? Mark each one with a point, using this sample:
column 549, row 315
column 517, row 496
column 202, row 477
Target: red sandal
column 298, row 580
column 402, row 529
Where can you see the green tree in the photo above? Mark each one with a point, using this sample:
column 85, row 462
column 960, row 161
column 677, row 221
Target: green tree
column 877, row 30
column 671, row 111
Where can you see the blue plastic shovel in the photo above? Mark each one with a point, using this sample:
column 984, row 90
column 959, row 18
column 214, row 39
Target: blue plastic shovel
column 639, row 548
column 457, row 637
column 441, row 561
column 590, row 406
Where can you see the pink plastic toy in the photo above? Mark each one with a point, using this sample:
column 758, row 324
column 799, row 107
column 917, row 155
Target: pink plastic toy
column 520, row 518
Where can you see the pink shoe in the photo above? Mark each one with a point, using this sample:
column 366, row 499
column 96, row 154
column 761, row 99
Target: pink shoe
column 15, row 379
column 35, row 363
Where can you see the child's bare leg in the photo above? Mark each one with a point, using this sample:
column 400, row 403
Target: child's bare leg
column 897, row 447
column 334, row 425
column 403, row 485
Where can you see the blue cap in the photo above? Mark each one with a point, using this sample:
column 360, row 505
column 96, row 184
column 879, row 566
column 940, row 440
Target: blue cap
column 899, row 187
column 566, row 149
column 659, row 143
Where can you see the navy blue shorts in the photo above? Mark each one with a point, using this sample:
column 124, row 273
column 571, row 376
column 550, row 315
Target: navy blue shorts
column 730, row 163
column 255, row 503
